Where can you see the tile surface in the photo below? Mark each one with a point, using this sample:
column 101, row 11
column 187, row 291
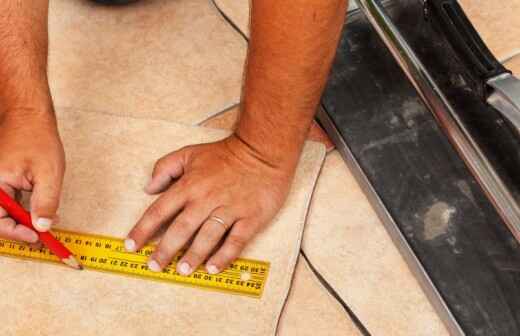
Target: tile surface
column 497, row 23
column 237, row 11
column 311, row 311
column 348, row 245
column 514, row 65
column 160, row 59
column 109, row 160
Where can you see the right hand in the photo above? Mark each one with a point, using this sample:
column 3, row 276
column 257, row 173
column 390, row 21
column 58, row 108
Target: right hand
column 31, row 159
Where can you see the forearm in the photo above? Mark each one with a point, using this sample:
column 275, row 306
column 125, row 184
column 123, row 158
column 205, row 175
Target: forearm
column 291, row 49
column 24, row 89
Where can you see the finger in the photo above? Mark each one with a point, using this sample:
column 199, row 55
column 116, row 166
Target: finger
column 241, row 233
column 10, row 230
column 162, row 210
column 45, row 200
column 36, row 246
column 165, row 171
column 177, row 235
column 11, row 192
column 210, row 234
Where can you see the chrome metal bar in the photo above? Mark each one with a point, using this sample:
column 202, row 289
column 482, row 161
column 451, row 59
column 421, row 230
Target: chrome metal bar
column 506, row 97
column 448, row 120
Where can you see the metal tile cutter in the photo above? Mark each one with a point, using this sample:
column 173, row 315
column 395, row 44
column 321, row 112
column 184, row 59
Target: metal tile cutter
column 429, row 122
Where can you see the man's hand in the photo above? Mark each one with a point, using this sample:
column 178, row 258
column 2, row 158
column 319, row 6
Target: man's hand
column 239, row 184
column 32, row 159
column 217, row 192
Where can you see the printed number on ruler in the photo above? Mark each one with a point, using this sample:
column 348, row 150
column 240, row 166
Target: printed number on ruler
column 243, row 277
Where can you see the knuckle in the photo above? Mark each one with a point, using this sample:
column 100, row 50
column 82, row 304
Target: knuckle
column 195, row 255
column 237, row 241
column 207, row 239
column 183, row 224
column 199, row 192
column 156, row 212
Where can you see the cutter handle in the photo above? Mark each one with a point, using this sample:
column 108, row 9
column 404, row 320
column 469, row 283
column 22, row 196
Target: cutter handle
column 480, row 63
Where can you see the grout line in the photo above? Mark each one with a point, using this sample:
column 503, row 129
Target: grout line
column 119, row 115
column 291, row 267
column 361, row 327
column 515, row 53
column 228, row 19
column 222, row 111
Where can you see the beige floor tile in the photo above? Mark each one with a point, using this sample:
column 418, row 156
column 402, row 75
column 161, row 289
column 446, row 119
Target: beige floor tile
column 237, row 11
column 109, row 160
column 311, row 311
column 161, row 59
column 514, row 65
column 348, row 245
column 498, row 24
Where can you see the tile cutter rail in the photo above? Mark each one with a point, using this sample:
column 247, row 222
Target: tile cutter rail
column 428, row 121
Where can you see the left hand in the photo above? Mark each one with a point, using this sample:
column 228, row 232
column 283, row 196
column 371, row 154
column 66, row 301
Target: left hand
column 208, row 190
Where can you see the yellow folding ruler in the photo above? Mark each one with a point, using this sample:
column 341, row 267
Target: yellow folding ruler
column 107, row 254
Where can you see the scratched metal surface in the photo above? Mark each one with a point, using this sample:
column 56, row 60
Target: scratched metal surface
column 462, row 244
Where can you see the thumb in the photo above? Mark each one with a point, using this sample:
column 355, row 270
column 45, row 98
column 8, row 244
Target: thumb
column 45, row 201
column 166, row 170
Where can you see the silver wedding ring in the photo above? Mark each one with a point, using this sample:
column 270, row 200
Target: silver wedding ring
column 219, row 220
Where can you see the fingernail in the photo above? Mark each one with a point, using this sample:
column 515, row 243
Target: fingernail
column 154, row 266
column 184, row 268
column 130, row 245
column 212, row 269
column 42, row 224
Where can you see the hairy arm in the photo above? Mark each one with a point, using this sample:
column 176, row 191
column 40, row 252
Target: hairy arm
column 291, row 49
column 32, row 156
column 23, row 57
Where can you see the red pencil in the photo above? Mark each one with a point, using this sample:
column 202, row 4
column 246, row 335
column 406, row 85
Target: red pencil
column 21, row 216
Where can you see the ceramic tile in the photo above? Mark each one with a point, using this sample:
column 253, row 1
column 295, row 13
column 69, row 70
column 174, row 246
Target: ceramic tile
column 160, row 59
column 237, row 11
column 348, row 245
column 514, row 65
column 227, row 119
column 311, row 310
column 109, row 160
column 497, row 23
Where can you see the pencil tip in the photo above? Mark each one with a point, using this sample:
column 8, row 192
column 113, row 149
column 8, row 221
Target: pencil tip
column 72, row 262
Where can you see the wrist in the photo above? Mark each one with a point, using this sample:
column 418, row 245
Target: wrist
column 272, row 151
column 25, row 112
column 26, row 100
column 27, row 115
